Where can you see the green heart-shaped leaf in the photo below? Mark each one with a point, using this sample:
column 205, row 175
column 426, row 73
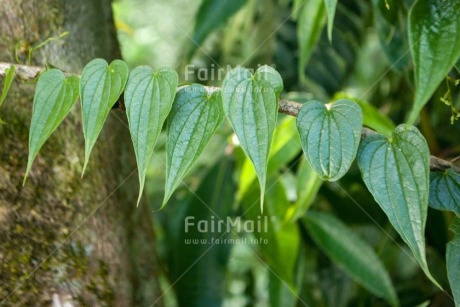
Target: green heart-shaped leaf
column 148, row 98
column 330, row 136
column 445, row 191
column 100, row 87
column 251, row 105
column 351, row 253
column 396, row 172
column 434, row 37
column 54, row 97
column 193, row 120
column 453, row 261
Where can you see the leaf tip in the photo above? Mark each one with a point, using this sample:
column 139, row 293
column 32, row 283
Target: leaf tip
column 84, row 168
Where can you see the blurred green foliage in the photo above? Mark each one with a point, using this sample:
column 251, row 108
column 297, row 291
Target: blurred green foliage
column 367, row 59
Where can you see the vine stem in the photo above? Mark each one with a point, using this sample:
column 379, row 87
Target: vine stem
column 30, row 73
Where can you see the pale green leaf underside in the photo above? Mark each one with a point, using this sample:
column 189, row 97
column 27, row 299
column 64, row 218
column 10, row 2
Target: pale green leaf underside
column 194, row 118
column 351, row 253
column 330, row 138
column 54, row 97
column 251, row 105
column 330, row 8
column 434, row 37
column 148, row 98
column 396, row 172
column 445, row 191
column 453, row 261
column 100, row 87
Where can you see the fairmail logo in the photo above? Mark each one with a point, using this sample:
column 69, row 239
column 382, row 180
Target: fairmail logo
column 235, row 224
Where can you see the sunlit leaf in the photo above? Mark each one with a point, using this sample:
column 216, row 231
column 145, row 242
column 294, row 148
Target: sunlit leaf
column 308, row 185
column 54, row 97
column 330, row 8
column 351, row 253
column 310, row 25
column 100, row 87
column 251, row 105
column 148, row 98
column 434, row 36
column 396, row 172
column 9, row 76
column 445, row 191
column 194, row 118
column 330, row 136
column 212, row 14
column 453, row 261
column 279, row 241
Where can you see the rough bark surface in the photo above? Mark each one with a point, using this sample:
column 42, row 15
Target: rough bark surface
column 63, row 238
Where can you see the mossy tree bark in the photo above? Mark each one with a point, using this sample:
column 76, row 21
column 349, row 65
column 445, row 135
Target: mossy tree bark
column 61, row 237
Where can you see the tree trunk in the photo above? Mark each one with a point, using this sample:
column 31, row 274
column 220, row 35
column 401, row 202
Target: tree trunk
column 62, row 238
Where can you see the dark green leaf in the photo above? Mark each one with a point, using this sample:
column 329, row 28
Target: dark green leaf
column 148, row 98
column 310, row 26
column 453, row 261
column 196, row 261
column 54, row 97
column 330, row 8
column 351, row 253
column 330, row 136
column 391, row 28
column 100, row 87
column 212, row 15
column 434, row 36
column 396, row 172
column 445, row 191
column 194, row 118
column 251, row 105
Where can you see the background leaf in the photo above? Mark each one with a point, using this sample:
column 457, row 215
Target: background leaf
column 9, row 76
column 351, row 253
column 148, row 98
column 199, row 277
column 391, row 27
column 308, row 185
column 396, row 172
column 311, row 23
column 251, row 105
column 434, row 36
column 100, row 87
column 212, row 14
column 445, row 191
column 330, row 8
column 54, row 97
column 193, row 120
column 453, row 261
column 285, row 147
column 372, row 117
column 330, row 137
